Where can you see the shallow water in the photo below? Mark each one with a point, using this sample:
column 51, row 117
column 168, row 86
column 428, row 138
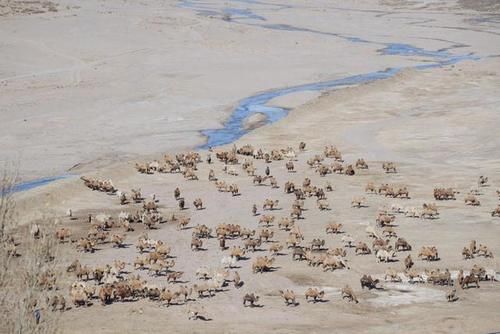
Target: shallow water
column 23, row 186
column 233, row 128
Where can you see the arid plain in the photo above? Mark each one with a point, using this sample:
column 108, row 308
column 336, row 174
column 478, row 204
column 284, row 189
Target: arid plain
column 90, row 89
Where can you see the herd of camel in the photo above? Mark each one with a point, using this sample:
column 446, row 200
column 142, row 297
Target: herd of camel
column 113, row 283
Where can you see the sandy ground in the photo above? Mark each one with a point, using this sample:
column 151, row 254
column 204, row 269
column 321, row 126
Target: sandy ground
column 413, row 308
column 439, row 126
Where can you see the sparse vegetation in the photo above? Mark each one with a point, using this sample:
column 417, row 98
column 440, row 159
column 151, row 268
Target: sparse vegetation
column 27, row 276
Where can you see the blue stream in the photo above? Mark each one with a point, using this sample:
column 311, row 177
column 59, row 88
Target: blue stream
column 23, row 186
column 233, row 128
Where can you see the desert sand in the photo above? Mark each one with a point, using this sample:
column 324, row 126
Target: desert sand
column 113, row 83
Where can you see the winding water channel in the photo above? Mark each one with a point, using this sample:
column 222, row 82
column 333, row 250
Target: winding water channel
column 233, row 128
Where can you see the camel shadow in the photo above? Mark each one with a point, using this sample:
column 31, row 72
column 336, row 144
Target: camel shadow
column 388, row 225
column 159, row 274
column 233, row 267
column 203, row 296
column 392, row 260
column 268, row 225
column 123, row 246
column 431, row 218
column 126, row 300
column 314, row 301
column 94, row 250
column 255, row 306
